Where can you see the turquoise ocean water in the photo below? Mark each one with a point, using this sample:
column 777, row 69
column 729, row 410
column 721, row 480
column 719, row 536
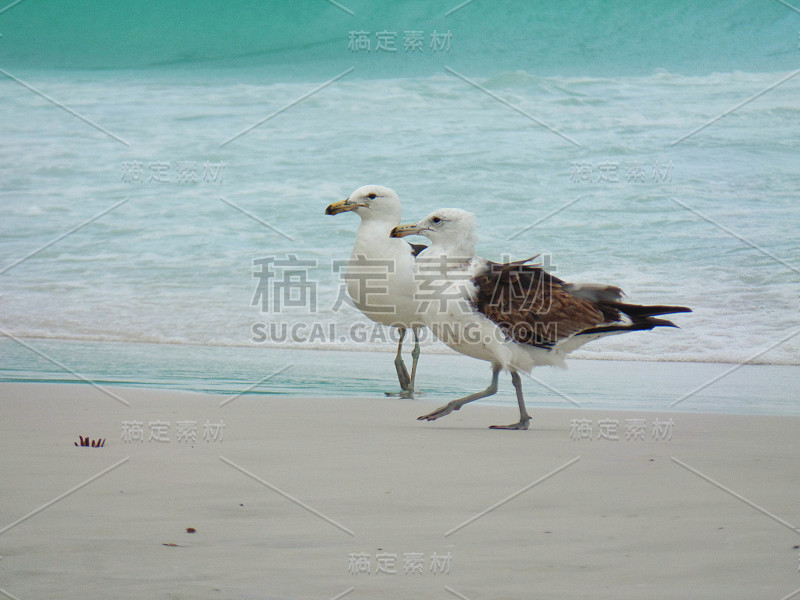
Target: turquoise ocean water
column 161, row 161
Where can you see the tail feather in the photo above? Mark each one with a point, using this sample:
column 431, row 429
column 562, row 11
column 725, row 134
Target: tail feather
column 636, row 326
column 660, row 323
column 642, row 311
column 642, row 317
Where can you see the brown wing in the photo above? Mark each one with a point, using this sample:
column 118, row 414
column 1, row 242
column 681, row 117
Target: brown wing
column 532, row 307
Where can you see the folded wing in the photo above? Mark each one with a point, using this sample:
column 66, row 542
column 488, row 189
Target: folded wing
column 536, row 308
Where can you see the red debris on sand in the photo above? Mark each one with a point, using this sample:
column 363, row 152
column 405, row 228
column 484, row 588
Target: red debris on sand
column 85, row 441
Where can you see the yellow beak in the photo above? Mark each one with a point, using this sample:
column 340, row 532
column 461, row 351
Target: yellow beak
column 404, row 230
column 341, row 206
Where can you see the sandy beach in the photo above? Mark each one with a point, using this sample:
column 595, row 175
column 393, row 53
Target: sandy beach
column 326, row 498
column 192, row 401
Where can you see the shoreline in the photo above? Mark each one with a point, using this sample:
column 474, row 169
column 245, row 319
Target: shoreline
column 435, row 348
column 589, row 383
column 425, row 402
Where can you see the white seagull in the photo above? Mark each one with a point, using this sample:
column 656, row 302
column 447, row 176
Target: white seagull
column 514, row 315
column 380, row 274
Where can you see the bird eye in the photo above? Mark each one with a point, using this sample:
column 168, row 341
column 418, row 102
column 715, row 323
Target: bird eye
column 371, row 196
column 436, row 219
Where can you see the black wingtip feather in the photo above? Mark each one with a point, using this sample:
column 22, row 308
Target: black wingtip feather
column 642, row 311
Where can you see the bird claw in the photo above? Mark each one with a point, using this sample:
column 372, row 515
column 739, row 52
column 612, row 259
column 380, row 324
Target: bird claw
column 439, row 412
column 521, row 425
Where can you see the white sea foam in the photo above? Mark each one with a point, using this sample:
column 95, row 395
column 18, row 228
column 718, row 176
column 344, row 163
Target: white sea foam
column 709, row 223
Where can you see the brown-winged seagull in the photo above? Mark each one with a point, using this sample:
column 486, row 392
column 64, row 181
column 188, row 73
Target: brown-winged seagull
column 514, row 315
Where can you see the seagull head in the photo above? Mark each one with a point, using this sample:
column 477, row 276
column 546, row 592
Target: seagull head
column 370, row 202
column 450, row 227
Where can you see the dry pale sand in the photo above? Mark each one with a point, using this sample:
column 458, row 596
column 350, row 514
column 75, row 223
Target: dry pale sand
column 299, row 488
